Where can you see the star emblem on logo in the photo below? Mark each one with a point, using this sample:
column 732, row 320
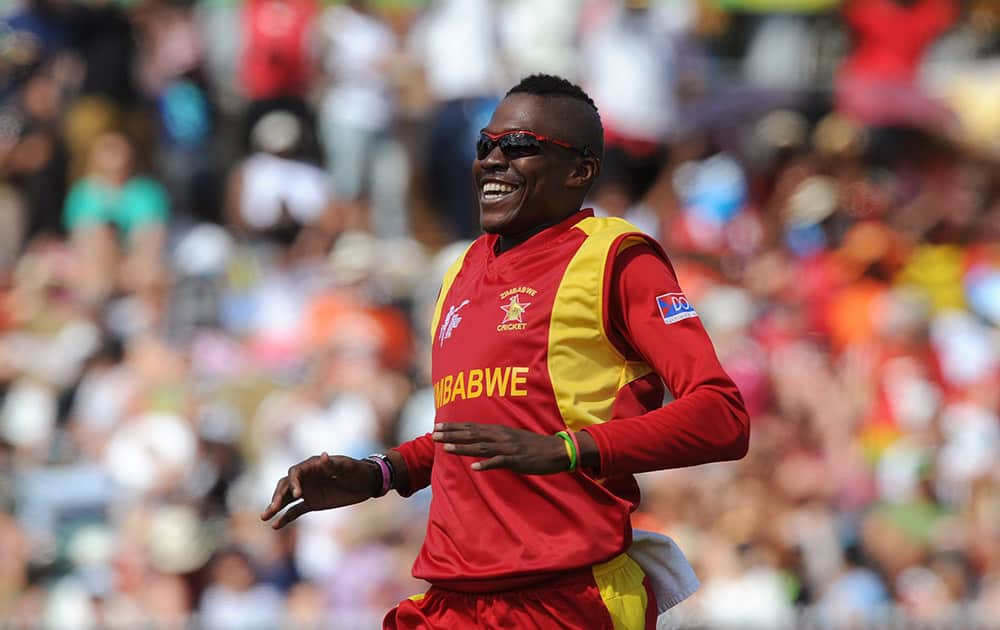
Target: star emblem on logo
column 514, row 310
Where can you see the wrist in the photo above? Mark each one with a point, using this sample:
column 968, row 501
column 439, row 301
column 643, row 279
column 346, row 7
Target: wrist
column 570, row 449
column 560, row 454
column 376, row 475
column 385, row 474
column 589, row 456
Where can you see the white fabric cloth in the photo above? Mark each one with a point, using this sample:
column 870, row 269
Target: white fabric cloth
column 628, row 70
column 670, row 574
column 272, row 183
column 226, row 609
column 144, row 452
column 456, row 41
column 541, row 37
column 359, row 45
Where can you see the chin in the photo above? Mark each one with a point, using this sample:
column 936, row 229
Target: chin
column 490, row 228
column 491, row 223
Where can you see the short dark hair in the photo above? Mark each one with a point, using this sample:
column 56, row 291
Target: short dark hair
column 550, row 85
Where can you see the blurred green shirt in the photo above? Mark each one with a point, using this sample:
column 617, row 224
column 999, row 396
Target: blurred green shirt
column 141, row 202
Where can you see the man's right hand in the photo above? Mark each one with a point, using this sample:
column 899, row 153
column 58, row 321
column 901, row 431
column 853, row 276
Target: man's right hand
column 322, row 482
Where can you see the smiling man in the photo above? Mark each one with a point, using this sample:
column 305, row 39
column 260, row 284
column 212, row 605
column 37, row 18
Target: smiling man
column 556, row 335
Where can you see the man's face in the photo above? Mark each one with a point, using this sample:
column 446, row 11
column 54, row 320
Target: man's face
column 517, row 192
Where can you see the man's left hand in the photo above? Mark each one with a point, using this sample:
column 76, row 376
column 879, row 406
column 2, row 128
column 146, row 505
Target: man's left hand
column 501, row 446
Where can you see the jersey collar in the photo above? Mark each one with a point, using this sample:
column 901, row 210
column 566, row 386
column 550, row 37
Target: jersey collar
column 541, row 239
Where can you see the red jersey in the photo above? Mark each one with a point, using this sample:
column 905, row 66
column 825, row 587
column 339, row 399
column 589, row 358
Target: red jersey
column 579, row 327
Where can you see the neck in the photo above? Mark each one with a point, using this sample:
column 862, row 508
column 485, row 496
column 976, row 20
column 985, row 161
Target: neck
column 509, row 241
column 110, row 180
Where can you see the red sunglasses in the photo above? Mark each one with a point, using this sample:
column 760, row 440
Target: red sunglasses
column 520, row 143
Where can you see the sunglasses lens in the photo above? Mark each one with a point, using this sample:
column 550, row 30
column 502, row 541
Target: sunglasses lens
column 513, row 145
column 518, row 145
column 484, row 146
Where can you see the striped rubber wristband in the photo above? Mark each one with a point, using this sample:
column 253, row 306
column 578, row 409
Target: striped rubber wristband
column 385, row 468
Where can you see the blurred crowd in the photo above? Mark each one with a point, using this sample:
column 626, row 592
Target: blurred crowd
column 223, row 226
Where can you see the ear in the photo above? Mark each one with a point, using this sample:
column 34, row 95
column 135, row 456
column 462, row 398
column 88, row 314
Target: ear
column 585, row 173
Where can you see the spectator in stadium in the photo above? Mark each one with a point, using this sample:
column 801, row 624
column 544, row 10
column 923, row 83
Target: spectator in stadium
column 454, row 41
column 876, row 83
column 556, row 334
column 365, row 159
column 277, row 194
column 275, row 70
column 116, row 217
column 34, row 154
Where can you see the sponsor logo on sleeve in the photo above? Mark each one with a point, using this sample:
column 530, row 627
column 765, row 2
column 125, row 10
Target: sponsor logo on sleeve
column 674, row 307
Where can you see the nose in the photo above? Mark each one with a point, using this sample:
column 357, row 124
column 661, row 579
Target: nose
column 495, row 159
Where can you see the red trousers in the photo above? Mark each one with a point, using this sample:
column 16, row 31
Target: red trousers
column 614, row 595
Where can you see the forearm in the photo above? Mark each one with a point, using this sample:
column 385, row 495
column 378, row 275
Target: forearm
column 708, row 425
column 707, row 421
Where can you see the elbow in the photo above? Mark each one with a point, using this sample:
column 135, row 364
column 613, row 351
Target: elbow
column 739, row 444
column 742, row 442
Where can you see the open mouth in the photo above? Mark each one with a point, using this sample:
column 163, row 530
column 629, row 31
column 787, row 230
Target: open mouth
column 495, row 191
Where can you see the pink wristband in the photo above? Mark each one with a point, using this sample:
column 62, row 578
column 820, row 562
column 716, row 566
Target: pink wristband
column 386, row 474
column 576, row 447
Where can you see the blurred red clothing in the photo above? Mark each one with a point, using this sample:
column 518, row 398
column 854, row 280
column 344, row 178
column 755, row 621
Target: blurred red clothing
column 876, row 83
column 891, row 38
column 275, row 58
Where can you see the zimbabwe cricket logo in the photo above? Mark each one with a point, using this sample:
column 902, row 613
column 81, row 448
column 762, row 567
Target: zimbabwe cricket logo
column 513, row 310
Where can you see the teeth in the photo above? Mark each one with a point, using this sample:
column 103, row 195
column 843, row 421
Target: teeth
column 497, row 188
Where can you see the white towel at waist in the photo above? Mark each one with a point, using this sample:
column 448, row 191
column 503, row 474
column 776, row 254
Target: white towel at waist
column 670, row 574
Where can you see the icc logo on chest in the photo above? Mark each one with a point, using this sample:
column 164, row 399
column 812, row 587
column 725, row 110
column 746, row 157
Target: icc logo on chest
column 450, row 322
